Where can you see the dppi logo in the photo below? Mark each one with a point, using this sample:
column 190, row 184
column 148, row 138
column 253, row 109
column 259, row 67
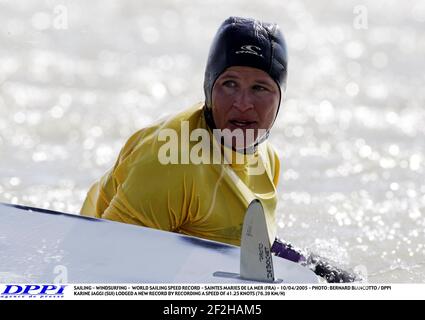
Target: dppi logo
column 42, row 291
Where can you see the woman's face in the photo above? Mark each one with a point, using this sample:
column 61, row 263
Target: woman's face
column 245, row 98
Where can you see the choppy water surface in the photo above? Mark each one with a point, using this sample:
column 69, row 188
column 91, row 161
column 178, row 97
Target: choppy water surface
column 78, row 77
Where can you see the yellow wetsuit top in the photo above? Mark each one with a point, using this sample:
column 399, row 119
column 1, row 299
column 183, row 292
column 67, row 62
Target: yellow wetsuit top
column 206, row 200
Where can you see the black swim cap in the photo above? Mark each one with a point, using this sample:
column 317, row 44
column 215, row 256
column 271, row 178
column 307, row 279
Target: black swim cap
column 246, row 42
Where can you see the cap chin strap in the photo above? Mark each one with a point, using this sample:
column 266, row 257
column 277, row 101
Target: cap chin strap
column 248, row 150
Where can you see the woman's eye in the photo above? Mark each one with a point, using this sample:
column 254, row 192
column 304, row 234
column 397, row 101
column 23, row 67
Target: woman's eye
column 229, row 83
column 259, row 88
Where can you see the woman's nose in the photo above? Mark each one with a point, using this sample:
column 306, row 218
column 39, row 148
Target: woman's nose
column 243, row 101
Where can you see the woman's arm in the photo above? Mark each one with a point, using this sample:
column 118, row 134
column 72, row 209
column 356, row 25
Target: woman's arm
column 320, row 266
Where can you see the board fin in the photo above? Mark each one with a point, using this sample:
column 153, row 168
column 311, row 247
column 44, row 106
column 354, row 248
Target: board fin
column 256, row 261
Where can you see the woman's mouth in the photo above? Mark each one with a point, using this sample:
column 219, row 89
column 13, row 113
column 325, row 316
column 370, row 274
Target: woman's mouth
column 243, row 124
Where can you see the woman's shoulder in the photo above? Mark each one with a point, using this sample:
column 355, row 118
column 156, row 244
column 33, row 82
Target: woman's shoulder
column 149, row 134
column 145, row 148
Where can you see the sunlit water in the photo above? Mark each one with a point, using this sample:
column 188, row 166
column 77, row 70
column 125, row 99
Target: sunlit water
column 78, row 77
